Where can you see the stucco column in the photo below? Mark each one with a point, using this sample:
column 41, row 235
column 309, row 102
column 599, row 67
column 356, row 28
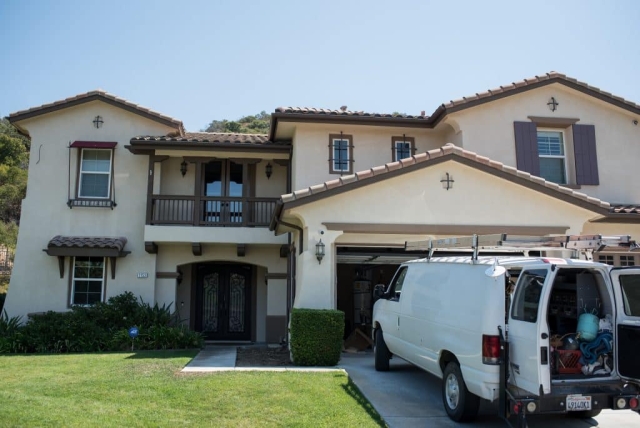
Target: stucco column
column 315, row 281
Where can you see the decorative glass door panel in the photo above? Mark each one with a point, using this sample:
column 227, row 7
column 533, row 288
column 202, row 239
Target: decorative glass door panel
column 224, row 302
column 223, row 189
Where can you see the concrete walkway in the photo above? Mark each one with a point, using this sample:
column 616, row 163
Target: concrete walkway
column 405, row 396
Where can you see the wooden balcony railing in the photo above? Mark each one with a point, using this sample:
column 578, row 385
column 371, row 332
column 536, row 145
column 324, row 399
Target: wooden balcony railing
column 211, row 211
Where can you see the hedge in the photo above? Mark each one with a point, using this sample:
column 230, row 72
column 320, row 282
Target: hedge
column 316, row 336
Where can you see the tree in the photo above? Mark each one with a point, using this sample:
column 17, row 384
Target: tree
column 12, row 151
column 252, row 124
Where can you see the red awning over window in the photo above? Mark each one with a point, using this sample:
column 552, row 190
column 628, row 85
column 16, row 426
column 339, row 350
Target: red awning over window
column 94, row 144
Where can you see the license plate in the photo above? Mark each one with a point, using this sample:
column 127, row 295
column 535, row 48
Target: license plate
column 577, row 403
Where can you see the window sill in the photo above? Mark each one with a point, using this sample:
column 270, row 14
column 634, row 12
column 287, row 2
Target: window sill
column 91, row 203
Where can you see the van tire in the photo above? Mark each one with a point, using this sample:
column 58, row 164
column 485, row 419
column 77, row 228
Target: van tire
column 381, row 352
column 459, row 403
column 584, row 414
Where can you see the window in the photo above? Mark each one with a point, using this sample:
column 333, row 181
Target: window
column 630, row 285
column 95, row 174
column 87, row 283
column 606, row 259
column 340, row 154
column 396, row 286
column 402, row 147
column 552, row 156
column 627, row 260
column 528, row 292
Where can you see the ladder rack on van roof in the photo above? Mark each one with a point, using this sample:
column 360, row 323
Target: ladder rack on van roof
column 502, row 241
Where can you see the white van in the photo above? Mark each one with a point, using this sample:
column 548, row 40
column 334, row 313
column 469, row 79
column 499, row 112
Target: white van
column 456, row 318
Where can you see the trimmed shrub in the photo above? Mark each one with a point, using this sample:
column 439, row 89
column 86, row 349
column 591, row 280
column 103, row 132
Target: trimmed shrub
column 316, row 336
column 101, row 327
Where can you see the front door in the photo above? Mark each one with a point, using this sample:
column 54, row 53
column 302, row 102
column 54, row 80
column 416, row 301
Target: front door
column 224, row 302
column 529, row 333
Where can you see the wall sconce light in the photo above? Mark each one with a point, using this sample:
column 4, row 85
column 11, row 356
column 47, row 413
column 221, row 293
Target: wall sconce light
column 447, row 183
column 183, row 167
column 320, row 251
column 268, row 170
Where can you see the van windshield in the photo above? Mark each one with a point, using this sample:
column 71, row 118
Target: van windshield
column 527, row 298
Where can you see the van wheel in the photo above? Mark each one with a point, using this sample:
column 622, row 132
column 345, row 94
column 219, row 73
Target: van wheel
column 585, row 414
column 459, row 403
column 381, row 352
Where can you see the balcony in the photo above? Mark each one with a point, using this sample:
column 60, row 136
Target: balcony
column 210, row 211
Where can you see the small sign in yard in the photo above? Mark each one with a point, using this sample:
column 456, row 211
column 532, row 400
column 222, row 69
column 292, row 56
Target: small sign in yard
column 133, row 333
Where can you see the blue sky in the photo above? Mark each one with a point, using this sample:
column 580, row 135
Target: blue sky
column 199, row 61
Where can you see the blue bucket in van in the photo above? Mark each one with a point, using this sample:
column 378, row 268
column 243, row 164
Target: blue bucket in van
column 588, row 325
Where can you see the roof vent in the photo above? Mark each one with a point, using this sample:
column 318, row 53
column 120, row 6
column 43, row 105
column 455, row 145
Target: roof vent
column 343, row 108
column 422, row 113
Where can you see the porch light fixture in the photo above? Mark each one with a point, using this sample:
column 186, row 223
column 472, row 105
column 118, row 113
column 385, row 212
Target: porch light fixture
column 183, row 167
column 268, row 170
column 320, row 251
column 447, row 183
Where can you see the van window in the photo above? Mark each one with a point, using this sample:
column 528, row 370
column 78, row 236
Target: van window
column 630, row 285
column 396, row 286
column 527, row 298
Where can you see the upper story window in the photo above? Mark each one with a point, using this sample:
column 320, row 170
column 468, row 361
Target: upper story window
column 340, row 154
column 95, row 173
column 94, row 179
column 402, row 147
column 552, row 156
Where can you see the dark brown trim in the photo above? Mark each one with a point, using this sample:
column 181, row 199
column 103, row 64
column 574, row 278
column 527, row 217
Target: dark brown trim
column 241, row 250
column 349, row 138
column 136, row 147
column 284, row 250
column 403, row 138
column 275, row 328
column 616, row 218
column 70, row 290
column 553, row 122
column 275, row 276
column 38, row 111
column 443, row 229
column 167, row 275
column 424, row 164
column 85, row 252
column 112, row 263
column 282, row 162
column 196, row 248
column 94, row 144
column 150, row 247
column 61, row 266
column 254, row 303
column 150, row 178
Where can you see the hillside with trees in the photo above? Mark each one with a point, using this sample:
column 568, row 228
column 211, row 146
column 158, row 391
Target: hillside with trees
column 253, row 124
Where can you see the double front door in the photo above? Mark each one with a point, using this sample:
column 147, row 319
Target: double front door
column 224, row 301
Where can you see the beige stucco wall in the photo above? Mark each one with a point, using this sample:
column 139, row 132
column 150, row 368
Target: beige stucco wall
column 488, row 130
column 35, row 283
column 372, row 147
column 477, row 198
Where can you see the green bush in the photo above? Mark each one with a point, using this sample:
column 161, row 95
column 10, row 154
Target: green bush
column 316, row 336
column 101, row 327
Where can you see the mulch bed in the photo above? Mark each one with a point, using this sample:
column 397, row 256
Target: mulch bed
column 262, row 356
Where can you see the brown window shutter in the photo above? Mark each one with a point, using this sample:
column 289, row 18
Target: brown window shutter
column 527, row 157
column 584, row 146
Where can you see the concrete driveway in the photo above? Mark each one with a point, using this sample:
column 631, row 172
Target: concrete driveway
column 407, row 397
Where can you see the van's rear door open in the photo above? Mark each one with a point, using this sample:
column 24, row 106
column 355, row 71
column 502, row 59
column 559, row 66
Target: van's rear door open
column 626, row 287
column 529, row 332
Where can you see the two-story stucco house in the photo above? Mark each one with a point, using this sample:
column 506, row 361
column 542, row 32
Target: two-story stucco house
column 234, row 230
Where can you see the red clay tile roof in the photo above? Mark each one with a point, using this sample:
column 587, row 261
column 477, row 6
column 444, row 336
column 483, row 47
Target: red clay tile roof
column 210, row 137
column 92, row 96
column 458, row 104
column 625, row 209
column 326, row 112
column 88, row 242
column 448, row 152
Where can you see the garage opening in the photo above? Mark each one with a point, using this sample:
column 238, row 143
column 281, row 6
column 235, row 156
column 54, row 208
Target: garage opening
column 359, row 269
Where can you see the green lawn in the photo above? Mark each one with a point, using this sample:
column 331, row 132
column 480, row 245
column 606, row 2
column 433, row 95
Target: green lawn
column 147, row 389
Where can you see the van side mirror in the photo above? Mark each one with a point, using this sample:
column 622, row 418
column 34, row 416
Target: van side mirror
column 378, row 291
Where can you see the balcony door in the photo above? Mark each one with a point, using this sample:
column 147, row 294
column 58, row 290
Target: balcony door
column 223, row 187
column 224, row 301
